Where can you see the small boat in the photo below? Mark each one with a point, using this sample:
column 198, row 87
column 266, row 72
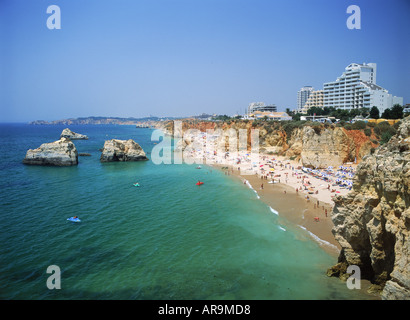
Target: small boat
column 72, row 219
column 199, row 183
column 136, row 184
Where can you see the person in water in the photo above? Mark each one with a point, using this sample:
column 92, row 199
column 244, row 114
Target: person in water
column 75, row 217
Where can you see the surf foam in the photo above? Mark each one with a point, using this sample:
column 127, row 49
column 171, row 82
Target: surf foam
column 321, row 241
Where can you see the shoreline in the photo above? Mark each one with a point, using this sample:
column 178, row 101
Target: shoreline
column 300, row 213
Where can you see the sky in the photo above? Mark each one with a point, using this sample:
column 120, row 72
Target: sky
column 136, row 58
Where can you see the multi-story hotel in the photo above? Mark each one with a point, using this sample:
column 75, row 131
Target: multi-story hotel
column 303, row 96
column 356, row 88
column 315, row 100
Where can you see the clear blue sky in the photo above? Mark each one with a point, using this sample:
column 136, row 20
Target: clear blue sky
column 184, row 57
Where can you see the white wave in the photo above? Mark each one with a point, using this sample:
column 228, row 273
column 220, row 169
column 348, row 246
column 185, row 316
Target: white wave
column 321, row 241
column 274, row 211
column 281, row 228
column 250, row 187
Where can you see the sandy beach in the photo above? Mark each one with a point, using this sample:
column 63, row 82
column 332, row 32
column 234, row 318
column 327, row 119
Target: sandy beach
column 300, row 195
column 309, row 214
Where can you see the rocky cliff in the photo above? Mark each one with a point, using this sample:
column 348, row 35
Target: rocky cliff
column 59, row 153
column 122, row 150
column 315, row 146
column 67, row 133
column 372, row 222
column 320, row 147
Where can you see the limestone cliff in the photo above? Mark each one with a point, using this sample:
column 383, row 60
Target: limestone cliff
column 122, row 150
column 318, row 147
column 59, row 153
column 372, row 222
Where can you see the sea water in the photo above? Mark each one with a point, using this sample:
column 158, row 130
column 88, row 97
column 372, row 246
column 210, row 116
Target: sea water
column 167, row 239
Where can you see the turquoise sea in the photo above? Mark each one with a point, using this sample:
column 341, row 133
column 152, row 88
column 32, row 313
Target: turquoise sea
column 168, row 239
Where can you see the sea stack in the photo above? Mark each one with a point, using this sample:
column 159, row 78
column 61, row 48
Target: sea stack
column 67, row 133
column 58, row 153
column 372, row 222
column 122, row 150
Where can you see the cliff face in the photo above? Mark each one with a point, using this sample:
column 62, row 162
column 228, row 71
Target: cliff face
column 59, row 153
column 323, row 147
column 372, row 223
column 315, row 147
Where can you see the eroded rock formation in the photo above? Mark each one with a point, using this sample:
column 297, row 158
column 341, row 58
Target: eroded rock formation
column 67, row 133
column 372, row 222
column 330, row 147
column 59, row 153
column 122, row 150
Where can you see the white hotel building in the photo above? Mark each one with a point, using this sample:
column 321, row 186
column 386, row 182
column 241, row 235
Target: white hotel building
column 357, row 88
column 303, row 96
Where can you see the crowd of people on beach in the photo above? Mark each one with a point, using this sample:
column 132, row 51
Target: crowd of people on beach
column 334, row 180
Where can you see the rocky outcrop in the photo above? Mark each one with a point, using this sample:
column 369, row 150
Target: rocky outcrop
column 122, row 150
column 333, row 146
column 372, row 222
column 67, row 133
column 59, row 153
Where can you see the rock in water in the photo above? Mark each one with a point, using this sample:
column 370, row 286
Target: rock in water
column 122, row 150
column 67, row 133
column 372, row 222
column 58, row 153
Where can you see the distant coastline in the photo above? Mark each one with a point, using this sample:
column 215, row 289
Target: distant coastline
column 99, row 120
